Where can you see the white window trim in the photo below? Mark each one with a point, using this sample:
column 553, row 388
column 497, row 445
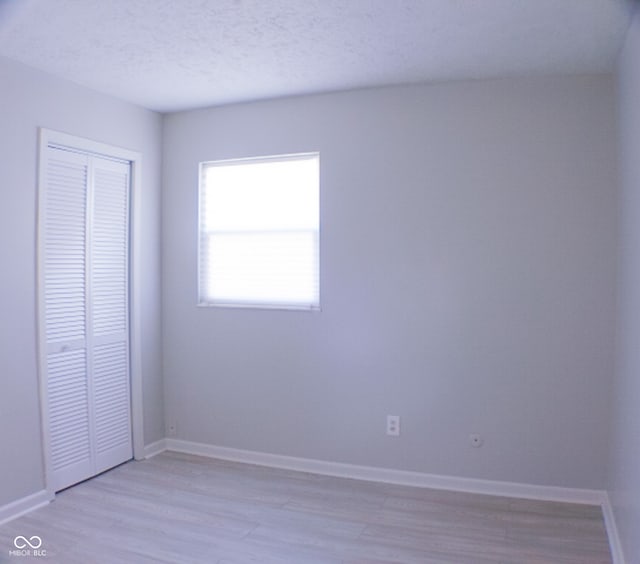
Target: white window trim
column 257, row 306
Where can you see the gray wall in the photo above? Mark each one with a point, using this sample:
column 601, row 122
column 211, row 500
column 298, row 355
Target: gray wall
column 467, row 283
column 30, row 99
column 624, row 470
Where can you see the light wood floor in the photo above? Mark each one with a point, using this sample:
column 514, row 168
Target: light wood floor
column 181, row 509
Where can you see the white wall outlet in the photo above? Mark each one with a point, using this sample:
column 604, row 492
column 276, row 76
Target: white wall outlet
column 476, row 440
column 173, row 429
column 393, row 425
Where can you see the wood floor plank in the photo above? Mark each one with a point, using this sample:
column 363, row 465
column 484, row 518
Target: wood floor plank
column 180, row 509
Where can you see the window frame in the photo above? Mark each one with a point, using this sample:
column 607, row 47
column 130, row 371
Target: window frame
column 202, row 300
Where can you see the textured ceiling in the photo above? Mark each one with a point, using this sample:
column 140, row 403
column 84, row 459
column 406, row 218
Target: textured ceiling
column 171, row 55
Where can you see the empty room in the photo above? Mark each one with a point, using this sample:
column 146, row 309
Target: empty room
column 320, row 281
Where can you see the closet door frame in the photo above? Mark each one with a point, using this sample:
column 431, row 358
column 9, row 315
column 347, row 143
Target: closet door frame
column 47, row 138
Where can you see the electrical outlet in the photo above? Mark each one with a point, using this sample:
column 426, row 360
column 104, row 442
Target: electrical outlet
column 393, row 425
column 173, row 429
column 476, row 440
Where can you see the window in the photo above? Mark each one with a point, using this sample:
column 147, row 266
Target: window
column 259, row 232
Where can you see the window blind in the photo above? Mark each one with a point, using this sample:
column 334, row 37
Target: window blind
column 259, row 232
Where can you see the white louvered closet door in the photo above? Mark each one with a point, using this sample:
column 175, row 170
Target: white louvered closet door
column 84, row 292
column 109, row 312
column 65, row 313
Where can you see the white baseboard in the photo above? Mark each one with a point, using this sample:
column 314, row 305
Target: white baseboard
column 153, row 449
column 19, row 507
column 388, row 475
column 617, row 553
